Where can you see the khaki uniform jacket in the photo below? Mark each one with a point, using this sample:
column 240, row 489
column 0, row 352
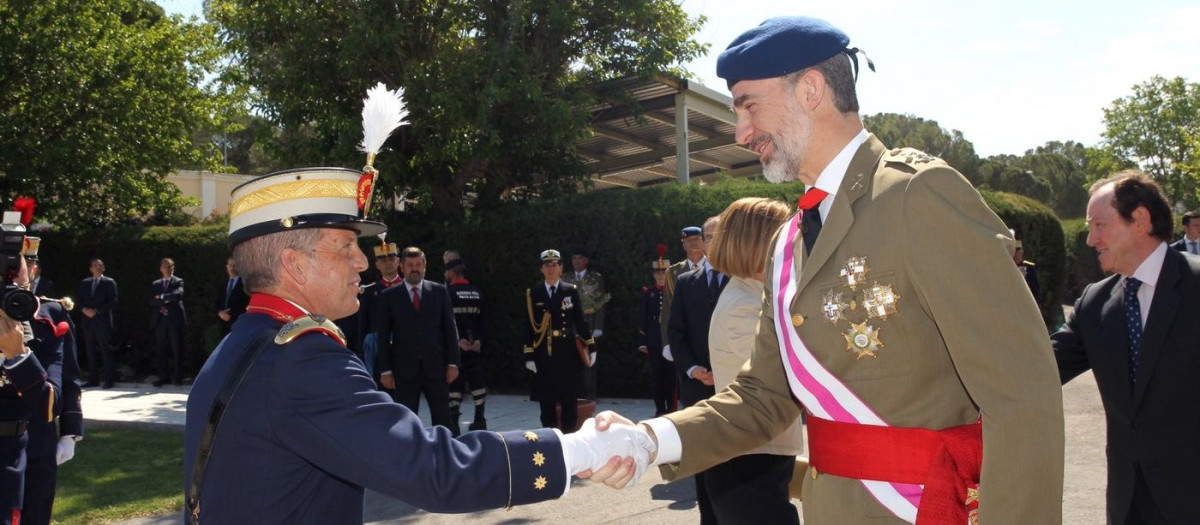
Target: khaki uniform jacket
column 966, row 341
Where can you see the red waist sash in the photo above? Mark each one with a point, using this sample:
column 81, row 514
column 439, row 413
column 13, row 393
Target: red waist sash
column 946, row 461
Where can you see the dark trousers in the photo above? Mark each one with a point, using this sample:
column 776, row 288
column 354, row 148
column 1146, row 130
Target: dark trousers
column 662, row 373
column 752, row 489
column 98, row 339
column 570, row 414
column 1143, row 510
column 168, row 334
column 41, row 476
column 471, row 377
column 437, row 396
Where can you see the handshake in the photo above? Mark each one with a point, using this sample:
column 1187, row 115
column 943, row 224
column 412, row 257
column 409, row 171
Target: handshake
column 610, row 449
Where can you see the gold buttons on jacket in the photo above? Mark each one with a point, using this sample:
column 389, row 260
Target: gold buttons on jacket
column 797, row 320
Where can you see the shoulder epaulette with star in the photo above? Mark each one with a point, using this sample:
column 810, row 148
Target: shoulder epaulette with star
column 913, row 157
column 306, row 324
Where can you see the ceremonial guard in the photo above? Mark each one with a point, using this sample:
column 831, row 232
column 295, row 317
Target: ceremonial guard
column 284, row 425
column 30, row 374
column 49, row 446
column 649, row 337
column 359, row 337
column 558, row 346
column 467, row 301
column 590, row 285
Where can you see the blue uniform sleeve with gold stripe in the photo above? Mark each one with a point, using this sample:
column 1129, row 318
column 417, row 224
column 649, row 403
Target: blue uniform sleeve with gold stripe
column 325, row 407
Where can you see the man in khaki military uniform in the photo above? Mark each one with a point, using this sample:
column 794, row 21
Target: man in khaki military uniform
column 590, row 285
column 907, row 301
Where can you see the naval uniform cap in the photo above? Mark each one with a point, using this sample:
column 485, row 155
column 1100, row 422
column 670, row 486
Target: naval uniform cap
column 690, row 231
column 385, row 250
column 298, row 198
column 780, row 46
column 551, row 256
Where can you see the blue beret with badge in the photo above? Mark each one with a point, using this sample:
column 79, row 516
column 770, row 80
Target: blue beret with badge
column 780, row 46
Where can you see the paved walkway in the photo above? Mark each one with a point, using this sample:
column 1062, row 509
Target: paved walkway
column 651, row 502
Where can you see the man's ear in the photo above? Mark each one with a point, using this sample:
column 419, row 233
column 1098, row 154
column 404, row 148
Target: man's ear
column 295, row 265
column 811, row 89
column 1141, row 220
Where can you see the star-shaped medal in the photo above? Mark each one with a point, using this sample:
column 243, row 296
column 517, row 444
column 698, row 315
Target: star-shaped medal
column 539, row 459
column 540, row 483
column 855, row 272
column 863, row 340
column 834, row 307
column 880, row 301
column 531, row 437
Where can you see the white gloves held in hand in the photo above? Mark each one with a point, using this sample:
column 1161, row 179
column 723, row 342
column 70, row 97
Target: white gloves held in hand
column 588, row 449
column 531, row 366
column 65, row 450
column 592, row 359
column 667, row 353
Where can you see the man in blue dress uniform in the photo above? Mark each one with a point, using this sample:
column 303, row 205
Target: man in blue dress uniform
column 30, row 383
column 300, row 427
column 48, row 446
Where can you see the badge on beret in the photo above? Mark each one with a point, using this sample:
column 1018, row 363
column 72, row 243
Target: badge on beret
column 855, row 272
column 880, row 301
column 863, row 340
column 834, row 307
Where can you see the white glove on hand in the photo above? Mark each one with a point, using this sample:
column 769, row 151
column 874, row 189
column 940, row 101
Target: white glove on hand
column 531, row 366
column 588, row 449
column 667, row 354
column 65, row 451
column 597, row 333
column 592, row 359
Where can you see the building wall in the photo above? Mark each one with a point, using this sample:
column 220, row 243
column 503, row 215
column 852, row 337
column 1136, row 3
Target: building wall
column 211, row 189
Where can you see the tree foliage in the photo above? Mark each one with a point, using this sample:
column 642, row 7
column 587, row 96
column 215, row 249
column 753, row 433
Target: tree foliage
column 1159, row 126
column 498, row 90
column 99, row 100
column 896, row 131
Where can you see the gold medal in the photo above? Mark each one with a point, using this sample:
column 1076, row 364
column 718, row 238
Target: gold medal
column 855, row 272
column 834, row 307
column 880, row 301
column 863, row 340
column 4, row 379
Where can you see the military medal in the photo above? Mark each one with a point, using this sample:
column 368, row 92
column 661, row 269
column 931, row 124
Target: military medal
column 834, row 307
column 566, row 303
column 4, row 380
column 855, row 272
column 880, row 301
column 863, row 340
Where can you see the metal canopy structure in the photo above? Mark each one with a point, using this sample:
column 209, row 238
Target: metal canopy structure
column 666, row 129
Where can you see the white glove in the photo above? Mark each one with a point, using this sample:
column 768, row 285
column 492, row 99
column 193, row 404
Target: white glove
column 65, row 451
column 531, row 366
column 597, row 332
column 592, row 359
column 588, row 449
column 667, row 354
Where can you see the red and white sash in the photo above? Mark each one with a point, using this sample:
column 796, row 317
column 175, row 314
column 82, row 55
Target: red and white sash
column 822, row 394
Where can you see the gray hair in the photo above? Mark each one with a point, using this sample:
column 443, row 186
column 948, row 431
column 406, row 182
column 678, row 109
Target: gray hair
column 839, row 76
column 258, row 259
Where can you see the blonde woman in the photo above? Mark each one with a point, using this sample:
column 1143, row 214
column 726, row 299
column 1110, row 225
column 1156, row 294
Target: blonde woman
column 753, row 487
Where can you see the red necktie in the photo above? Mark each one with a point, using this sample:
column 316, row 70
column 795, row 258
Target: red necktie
column 416, row 300
column 812, row 198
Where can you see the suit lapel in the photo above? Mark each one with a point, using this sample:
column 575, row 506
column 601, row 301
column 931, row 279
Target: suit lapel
column 841, row 216
column 1114, row 338
column 1163, row 306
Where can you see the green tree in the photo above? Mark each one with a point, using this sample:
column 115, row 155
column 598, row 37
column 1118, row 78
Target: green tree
column 1158, row 126
column 897, row 131
column 99, row 99
column 499, row 91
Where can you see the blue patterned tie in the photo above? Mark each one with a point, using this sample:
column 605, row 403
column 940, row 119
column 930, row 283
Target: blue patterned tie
column 1133, row 313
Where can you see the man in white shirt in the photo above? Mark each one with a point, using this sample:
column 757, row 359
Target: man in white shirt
column 1137, row 331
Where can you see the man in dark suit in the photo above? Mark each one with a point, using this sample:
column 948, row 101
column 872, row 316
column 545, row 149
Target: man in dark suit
column 1137, row 331
column 418, row 342
column 1190, row 242
column 551, row 352
column 696, row 294
column 97, row 300
column 233, row 299
column 167, row 319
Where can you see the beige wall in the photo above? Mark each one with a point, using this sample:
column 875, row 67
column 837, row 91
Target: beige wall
column 211, row 189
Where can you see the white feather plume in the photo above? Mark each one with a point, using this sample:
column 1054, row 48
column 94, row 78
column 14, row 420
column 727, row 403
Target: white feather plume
column 383, row 112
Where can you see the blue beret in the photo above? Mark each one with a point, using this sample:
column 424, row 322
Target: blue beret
column 780, row 46
column 690, row 231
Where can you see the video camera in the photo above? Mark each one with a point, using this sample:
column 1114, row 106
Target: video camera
column 18, row 304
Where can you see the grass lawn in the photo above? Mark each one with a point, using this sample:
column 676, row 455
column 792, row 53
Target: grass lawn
column 121, row 474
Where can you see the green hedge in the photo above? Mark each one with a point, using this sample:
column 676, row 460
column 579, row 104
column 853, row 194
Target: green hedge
column 1042, row 236
column 501, row 247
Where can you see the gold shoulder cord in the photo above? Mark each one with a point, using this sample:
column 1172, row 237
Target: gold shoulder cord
column 509, row 506
column 540, row 329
